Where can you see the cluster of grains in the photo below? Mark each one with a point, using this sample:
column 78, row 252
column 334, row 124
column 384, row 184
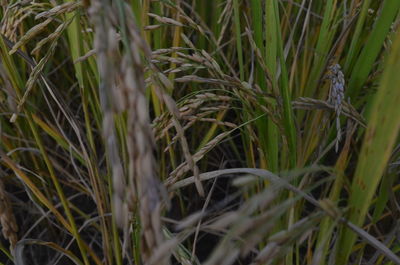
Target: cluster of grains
column 7, row 218
column 346, row 109
column 46, row 17
column 246, row 228
column 336, row 95
column 122, row 89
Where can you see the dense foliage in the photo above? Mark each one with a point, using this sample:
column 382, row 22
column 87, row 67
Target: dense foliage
column 199, row 132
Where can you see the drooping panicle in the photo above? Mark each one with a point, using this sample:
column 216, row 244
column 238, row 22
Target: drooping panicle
column 336, row 96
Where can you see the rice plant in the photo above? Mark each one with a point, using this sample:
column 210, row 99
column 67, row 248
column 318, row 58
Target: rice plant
column 199, row 132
